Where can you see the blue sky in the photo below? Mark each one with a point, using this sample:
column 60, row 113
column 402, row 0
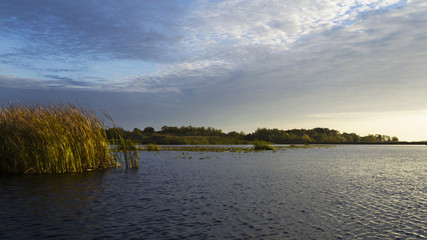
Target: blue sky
column 353, row 65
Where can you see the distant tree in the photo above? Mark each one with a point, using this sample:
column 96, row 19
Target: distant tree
column 136, row 135
column 369, row 138
column 306, row 139
column 115, row 132
column 234, row 135
column 209, row 135
column 351, row 137
column 170, row 130
column 148, row 131
column 137, row 131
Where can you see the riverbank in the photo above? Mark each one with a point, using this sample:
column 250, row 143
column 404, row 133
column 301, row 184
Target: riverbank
column 229, row 148
column 210, row 136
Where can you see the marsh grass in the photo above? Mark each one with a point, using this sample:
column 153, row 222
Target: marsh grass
column 51, row 139
column 126, row 150
column 262, row 145
column 152, row 147
column 129, row 152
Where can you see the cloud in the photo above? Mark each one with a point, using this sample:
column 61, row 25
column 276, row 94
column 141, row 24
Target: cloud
column 274, row 24
column 293, row 47
column 52, row 82
column 287, row 44
column 68, row 82
column 92, row 29
column 377, row 63
column 13, row 82
column 154, row 30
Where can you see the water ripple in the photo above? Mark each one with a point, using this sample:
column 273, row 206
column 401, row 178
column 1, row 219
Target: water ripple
column 347, row 192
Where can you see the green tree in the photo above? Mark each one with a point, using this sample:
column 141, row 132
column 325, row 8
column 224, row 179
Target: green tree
column 148, row 131
column 370, row 138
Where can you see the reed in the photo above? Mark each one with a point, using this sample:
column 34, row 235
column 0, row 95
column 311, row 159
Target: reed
column 51, row 139
column 126, row 150
column 129, row 152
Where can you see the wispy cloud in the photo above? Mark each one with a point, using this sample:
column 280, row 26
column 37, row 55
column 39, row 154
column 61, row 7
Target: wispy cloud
column 66, row 81
column 92, row 29
column 274, row 24
column 304, row 41
column 187, row 40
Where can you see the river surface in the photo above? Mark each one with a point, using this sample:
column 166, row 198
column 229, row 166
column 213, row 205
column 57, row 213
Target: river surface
column 343, row 192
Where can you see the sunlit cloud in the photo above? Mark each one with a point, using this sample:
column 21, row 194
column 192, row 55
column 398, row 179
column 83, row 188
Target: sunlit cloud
column 228, row 32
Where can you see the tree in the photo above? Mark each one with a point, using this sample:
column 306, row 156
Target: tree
column 351, row 137
column 236, row 135
column 306, row 139
column 136, row 134
column 148, row 131
column 369, row 138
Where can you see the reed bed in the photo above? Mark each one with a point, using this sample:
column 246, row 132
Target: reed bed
column 52, row 139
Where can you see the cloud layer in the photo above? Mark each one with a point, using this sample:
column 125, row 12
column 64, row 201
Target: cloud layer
column 182, row 41
column 226, row 61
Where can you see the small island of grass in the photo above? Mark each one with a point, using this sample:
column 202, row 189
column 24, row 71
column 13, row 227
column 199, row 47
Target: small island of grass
column 262, row 145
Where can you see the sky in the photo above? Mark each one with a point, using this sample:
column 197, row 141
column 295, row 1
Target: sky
column 237, row 65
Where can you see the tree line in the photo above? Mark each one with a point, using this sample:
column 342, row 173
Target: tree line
column 210, row 135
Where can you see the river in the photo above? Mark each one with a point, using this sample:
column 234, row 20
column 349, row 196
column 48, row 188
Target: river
column 342, row 192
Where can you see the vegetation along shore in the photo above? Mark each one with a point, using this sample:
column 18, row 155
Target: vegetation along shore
column 211, row 136
column 67, row 139
column 55, row 139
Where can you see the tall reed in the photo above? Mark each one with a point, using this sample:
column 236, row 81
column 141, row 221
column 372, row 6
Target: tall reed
column 51, row 139
column 124, row 148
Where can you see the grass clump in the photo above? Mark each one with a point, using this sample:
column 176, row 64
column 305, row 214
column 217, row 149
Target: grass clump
column 262, row 145
column 129, row 152
column 152, row 147
column 51, row 139
column 126, row 149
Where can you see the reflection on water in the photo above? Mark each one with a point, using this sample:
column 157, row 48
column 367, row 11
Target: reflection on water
column 346, row 192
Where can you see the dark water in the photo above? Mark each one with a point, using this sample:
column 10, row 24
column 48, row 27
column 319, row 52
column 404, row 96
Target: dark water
column 345, row 192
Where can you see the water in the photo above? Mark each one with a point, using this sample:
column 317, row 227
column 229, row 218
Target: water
column 345, row 192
